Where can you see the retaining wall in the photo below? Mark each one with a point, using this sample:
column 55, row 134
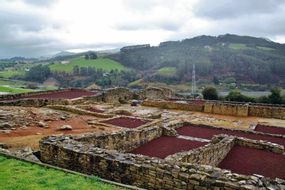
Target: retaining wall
column 211, row 154
column 143, row 171
column 123, row 141
column 223, row 108
column 34, row 102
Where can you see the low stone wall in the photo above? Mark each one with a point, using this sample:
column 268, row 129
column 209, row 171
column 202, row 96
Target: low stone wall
column 222, row 108
column 73, row 109
column 211, row 154
column 256, row 144
column 143, row 171
column 123, row 141
column 174, row 105
column 226, row 108
column 34, row 102
column 27, row 94
column 267, row 111
column 154, row 93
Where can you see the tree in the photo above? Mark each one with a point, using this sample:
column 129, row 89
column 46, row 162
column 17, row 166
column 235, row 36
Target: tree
column 275, row 96
column 210, row 93
column 38, row 73
column 235, row 95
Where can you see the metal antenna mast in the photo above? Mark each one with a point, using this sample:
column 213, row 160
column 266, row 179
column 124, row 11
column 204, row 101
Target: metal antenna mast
column 193, row 81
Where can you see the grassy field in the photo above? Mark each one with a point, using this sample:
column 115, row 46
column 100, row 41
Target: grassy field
column 12, row 90
column 265, row 48
column 167, row 71
column 238, row 46
column 100, row 63
column 11, row 73
column 16, row 175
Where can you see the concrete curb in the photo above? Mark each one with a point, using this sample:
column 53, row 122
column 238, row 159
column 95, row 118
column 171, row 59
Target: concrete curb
column 70, row 171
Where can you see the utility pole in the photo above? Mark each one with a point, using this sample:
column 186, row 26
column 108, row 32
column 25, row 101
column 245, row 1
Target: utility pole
column 193, row 81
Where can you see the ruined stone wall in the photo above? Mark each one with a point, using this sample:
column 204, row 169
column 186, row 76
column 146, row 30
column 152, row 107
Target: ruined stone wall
column 34, row 102
column 211, row 154
column 267, row 111
column 123, row 141
column 145, row 172
column 256, row 144
column 226, row 108
column 27, row 94
column 117, row 95
column 174, row 105
column 154, row 93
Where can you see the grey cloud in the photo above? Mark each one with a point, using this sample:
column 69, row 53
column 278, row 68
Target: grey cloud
column 146, row 25
column 40, row 2
column 225, row 9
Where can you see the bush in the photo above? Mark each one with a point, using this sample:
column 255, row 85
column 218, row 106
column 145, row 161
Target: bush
column 210, row 93
column 235, row 95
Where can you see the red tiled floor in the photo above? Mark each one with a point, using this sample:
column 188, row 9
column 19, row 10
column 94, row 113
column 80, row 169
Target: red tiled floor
column 248, row 161
column 270, row 129
column 126, row 122
column 208, row 133
column 164, row 146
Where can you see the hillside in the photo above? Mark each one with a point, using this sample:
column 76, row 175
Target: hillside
column 100, row 63
column 240, row 58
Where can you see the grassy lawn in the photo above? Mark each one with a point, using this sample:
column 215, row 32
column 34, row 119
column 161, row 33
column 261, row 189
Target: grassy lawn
column 238, row 46
column 167, row 71
column 100, row 63
column 19, row 175
column 12, row 90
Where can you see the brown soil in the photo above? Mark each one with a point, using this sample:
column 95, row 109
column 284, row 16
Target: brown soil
column 31, row 135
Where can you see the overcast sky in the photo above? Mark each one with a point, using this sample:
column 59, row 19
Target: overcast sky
column 44, row 27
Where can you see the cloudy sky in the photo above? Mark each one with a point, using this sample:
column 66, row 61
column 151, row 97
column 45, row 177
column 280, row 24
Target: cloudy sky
column 44, row 27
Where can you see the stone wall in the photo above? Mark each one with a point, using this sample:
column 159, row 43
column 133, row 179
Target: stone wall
column 156, row 93
column 223, row 108
column 79, row 111
column 256, row 144
column 143, row 171
column 27, row 94
column 211, row 154
column 34, row 102
column 267, row 111
column 226, row 108
column 180, row 105
column 117, row 95
column 123, row 141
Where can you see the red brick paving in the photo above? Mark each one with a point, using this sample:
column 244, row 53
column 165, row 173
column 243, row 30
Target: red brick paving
column 126, row 122
column 270, row 129
column 164, row 146
column 248, row 161
column 208, row 133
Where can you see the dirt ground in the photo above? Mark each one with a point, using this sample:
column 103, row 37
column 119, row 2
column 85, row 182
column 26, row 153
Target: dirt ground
column 30, row 135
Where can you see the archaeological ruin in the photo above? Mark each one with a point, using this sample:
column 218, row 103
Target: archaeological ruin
column 161, row 142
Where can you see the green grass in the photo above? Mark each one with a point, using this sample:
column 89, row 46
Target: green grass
column 11, row 73
column 265, row 48
column 12, row 90
column 100, row 63
column 12, row 83
column 237, row 46
column 167, row 71
column 20, row 175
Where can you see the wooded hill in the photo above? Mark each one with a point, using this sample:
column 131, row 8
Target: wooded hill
column 244, row 58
